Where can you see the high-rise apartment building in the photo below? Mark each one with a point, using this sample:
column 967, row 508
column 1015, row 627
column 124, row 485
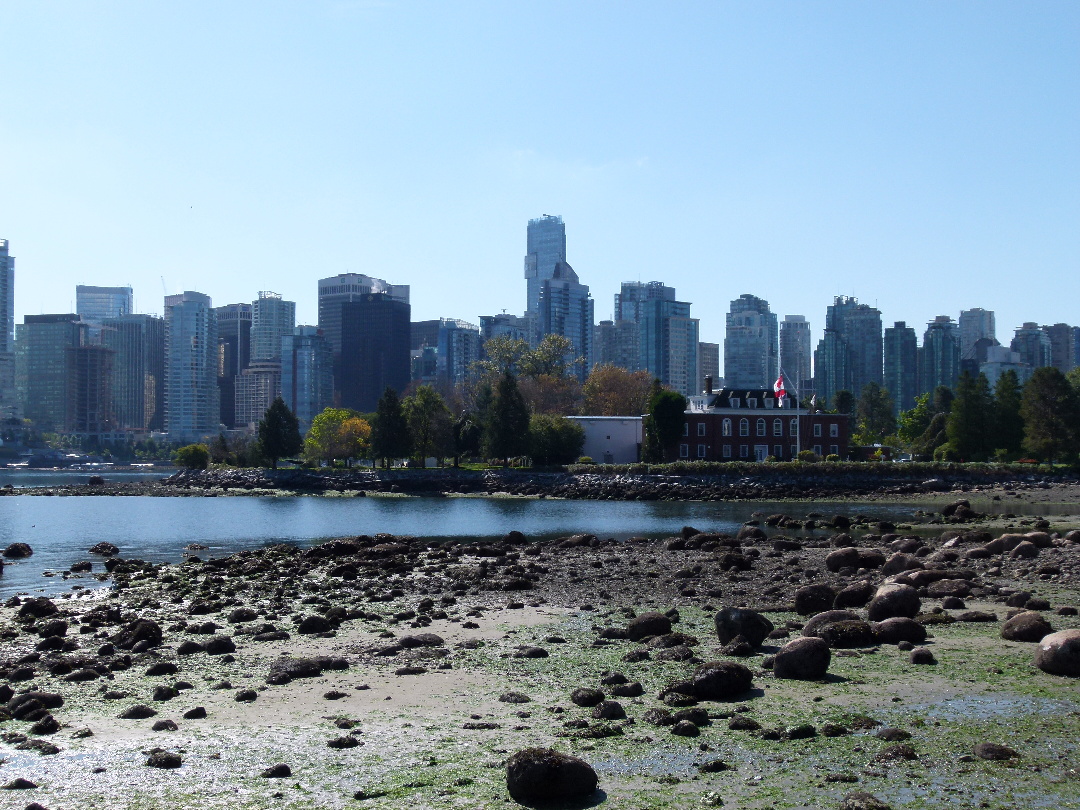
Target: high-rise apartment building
column 939, row 356
column 633, row 295
column 192, row 410
column 256, row 389
column 307, row 374
column 850, row 354
column 1033, row 345
column 9, row 401
column 668, row 340
column 709, row 363
column 44, row 368
column 234, row 354
column 138, row 369
column 271, row 320
column 375, row 332
column 901, row 377
column 458, row 347
column 503, row 325
column 566, row 308
column 617, row 343
column 751, row 344
column 795, row 353
column 1062, row 346
column 424, row 333
column 95, row 305
column 545, row 249
column 89, row 395
column 975, row 325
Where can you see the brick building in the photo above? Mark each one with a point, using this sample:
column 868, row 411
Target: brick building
column 751, row 425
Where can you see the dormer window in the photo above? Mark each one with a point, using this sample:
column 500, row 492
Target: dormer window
column 769, row 403
column 751, row 403
column 734, row 402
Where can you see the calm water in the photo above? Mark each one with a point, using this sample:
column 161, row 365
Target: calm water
column 20, row 477
column 61, row 529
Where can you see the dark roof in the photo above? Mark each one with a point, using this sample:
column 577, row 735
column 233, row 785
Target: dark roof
column 723, row 397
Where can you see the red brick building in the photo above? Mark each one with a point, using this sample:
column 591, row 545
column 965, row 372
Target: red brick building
column 730, row 425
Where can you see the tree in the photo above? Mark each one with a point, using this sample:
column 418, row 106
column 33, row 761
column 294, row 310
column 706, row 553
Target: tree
column 664, row 423
column 554, row 439
column 914, row 422
column 874, row 414
column 553, row 356
column 390, row 433
column 942, row 399
column 466, row 435
column 1051, row 413
column 1008, row 423
column 501, row 354
column 844, row 402
column 279, row 432
column 430, row 423
column 506, row 433
column 613, row 391
column 337, row 433
column 970, row 423
column 192, row 457
column 551, row 393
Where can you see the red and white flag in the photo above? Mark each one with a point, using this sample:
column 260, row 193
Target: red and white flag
column 778, row 387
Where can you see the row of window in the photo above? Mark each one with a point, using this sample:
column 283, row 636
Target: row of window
column 762, row 426
column 761, row 450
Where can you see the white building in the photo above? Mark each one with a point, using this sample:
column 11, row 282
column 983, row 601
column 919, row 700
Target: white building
column 611, row 439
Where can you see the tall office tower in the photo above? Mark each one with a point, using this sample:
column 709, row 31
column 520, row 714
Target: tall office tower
column 96, row 304
column 307, row 374
column 458, row 345
column 42, row 369
column 234, row 354
column 374, row 350
column 9, row 401
column 545, row 249
column 668, row 340
column 1033, row 345
column 975, row 325
column 901, row 366
column 271, row 320
column 751, row 344
column 634, row 294
column 1076, row 345
column 192, row 410
column 709, row 363
column 424, row 333
column 1062, row 346
column 939, row 356
column 89, row 394
column 138, row 391
column 795, row 352
column 850, row 354
column 566, row 309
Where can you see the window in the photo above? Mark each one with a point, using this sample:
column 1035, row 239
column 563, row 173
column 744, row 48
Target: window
column 778, row 452
column 817, row 431
column 701, row 451
column 769, row 402
column 700, row 428
column 794, row 428
column 734, row 402
column 684, row 451
column 685, row 428
column 777, row 427
column 834, row 449
column 744, row 427
column 794, row 451
column 761, row 427
column 817, row 449
column 834, row 430
column 725, row 427
column 751, row 403
column 727, row 451
column 744, row 451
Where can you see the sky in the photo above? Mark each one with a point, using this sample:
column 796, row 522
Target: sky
column 921, row 156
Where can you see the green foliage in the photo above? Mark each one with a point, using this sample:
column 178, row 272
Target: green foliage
column 554, row 439
column 337, row 434
column 1050, row 408
column 613, row 391
column 933, row 437
column 913, row 423
column 431, row 425
column 466, row 436
column 832, row 458
column 506, row 432
column 942, row 399
column 664, row 423
column 279, row 432
column 1008, row 423
column 192, row 457
column 970, row 423
column 874, row 413
column 553, row 357
column 844, row 402
column 390, row 433
column 808, row 456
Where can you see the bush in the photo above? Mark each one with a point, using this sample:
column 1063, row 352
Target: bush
column 192, row 457
column 808, row 456
column 832, row 457
column 554, row 439
column 585, row 460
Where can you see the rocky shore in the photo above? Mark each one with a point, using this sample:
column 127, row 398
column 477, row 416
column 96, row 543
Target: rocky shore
column 855, row 665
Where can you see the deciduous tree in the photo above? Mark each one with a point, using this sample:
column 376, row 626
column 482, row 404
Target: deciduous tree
column 430, row 423
column 390, row 433
column 875, row 413
column 337, row 434
column 1008, row 423
column 554, row 439
column 1051, row 415
column 613, row 391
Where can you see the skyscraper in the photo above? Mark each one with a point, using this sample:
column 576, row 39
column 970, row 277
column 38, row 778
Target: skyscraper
column 633, row 295
column 1033, row 345
column 939, row 356
column 374, row 350
column 95, row 304
column 234, row 355
column 138, row 391
column 9, row 402
column 192, row 410
column 545, row 248
column 458, row 344
column 750, row 344
column 43, row 369
column 795, row 351
column 850, row 354
column 975, row 325
column 271, row 320
column 901, row 377
column 566, row 308
column 709, row 363
column 668, row 340
column 90, row 382
column 307, row 374
column 1062, row 346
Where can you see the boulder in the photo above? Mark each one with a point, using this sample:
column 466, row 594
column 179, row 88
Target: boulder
column 144, row 631
column 18, row 551
column 944, row 588
column 811, row 599
column 287, row 669
column 855, row 595
column 1059, row 653
column 104, row 548
column 803, row 659
column 541, row 775
column 720, row 680
column 648, row 624
column 897, row 629
column 847, row 634
column 1027, row 626
column 894, row 600
column 861, row 800
column 749, row 624
column 813, row 627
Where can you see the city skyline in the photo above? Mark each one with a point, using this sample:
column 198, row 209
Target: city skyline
column 873, row 151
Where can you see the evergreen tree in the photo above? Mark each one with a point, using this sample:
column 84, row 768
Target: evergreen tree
column 844, row 402
column 942, row 399
column 664, row 423
column 875, row 414
column 970, row 422
column 507, row 428
column 430, row 423
column 466, row 437
column 1008, row 424
column 279, row 432
column 390, row 433
column 554, row 439
column 1051, row 415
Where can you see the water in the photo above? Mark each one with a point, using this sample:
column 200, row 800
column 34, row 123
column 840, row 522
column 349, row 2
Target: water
column 21, row 477
column 61, row 529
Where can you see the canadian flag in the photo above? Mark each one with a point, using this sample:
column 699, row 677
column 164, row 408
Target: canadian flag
column 778, row 387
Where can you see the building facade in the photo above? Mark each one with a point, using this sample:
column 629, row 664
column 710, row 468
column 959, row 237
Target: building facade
column 751, row 349
column 307, row 374
column 566, row 308
column 939, row 356
column 1062, row 346
column 611, row 439
column 256, row 389
column 795, row 353
column 43, row 366
column 901, row 366
column 545, row 249
column 975, row 325
column 234, row 354
column 271, row 319
column 192, row 408
column 850, row 354
column 90, row 402
column 9, row 401
column 709, row 365
column 138, row 390
column 95, row 305
column 458, row 350
column 668, row 340
column 374, row 356
column 1033, row 345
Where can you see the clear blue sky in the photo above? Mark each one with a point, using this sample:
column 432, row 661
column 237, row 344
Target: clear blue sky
column 921, row 156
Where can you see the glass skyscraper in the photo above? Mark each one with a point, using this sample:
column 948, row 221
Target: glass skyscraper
column 96, row 304
column 8, row 400
column 751, row 344
column 192, row 409
column 545, row 248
